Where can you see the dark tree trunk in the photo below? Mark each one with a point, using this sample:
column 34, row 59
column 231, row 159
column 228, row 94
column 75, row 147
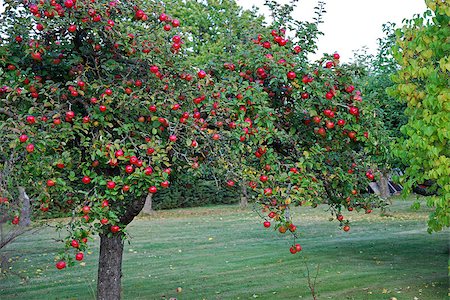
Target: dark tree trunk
column 25, row 211
column 244, row 195
column 110, row 259
column 148, row 206
column 110, row 267
column 384, row 185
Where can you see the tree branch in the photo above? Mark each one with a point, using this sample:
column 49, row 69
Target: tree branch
column 6, row 112
column 132, row 210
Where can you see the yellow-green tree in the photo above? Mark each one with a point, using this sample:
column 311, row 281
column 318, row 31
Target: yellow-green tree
column 422, row 51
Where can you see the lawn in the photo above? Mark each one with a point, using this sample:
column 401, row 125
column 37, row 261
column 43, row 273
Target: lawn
column 223, row 252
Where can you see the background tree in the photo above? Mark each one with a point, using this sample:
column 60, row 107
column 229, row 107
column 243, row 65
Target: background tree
column 373, row 74
column 314, row 129
column 422, row 50
column 214, row 28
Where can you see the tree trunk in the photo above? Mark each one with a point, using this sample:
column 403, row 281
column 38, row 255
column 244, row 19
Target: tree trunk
column 148, row 209
column 384, row 185
column 25, row 211
column 244, row 195
column 2, row 236
column 110, row 267
column 109, row 276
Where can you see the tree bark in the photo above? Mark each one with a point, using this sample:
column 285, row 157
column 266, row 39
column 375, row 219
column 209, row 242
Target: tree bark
column 384, row 185
column 109, row 276
column 244, row 195
column 25, row 211
column 148, row 209
column 110, row 267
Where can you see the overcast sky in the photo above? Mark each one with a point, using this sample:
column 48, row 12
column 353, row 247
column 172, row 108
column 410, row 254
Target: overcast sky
column 349, row 24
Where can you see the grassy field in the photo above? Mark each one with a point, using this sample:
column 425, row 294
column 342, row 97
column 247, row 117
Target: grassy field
column 223, row 252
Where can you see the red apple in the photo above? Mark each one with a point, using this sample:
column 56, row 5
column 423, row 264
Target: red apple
column 79, row 256
column 164, row 184
column 129, row 169
column 68, row 3
column 292, row 227
column 353, row 110
column 86, row 209
column 133, row 160
column 23, row 138
column 230, row 183
column 291, row 75
column 163, row 17
column 75, row 244
column 175, row 23
column 31, row 120
column 148, row 171
column 60, row 265
column 114, row 228
column 349, row 88
column 30, row 148
column 15, row 220
column 201, row 74
column 139, row 14
column 86, row 179
column 118, row 153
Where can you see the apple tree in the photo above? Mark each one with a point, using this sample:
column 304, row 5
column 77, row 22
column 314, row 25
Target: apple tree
column 422, row 51
column 315, row 141
column 100, row 104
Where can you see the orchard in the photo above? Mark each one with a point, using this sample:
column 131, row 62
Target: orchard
column 101, row 107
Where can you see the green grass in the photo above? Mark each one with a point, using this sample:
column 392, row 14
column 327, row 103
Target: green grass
column 223, row 252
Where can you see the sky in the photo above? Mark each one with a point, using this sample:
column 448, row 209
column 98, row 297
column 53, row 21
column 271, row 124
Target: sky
column 351, row 24
column 348, row 24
